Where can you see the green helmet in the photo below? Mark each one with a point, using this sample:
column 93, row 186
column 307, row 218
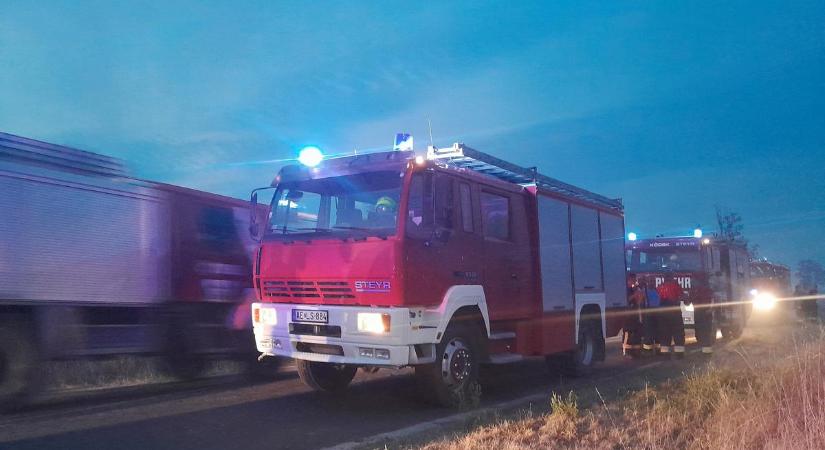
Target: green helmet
column 385, row 204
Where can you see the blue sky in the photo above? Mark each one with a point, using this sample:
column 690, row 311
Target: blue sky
column 673, row 106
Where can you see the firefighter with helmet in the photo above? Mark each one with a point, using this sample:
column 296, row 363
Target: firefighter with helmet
column 670, row 324
column 385, row 212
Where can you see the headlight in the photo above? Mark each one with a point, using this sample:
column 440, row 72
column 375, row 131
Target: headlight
column 373, row 322
column 764, row 301
column 265, row 316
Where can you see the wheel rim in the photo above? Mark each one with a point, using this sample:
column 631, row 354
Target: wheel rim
column 456, row 362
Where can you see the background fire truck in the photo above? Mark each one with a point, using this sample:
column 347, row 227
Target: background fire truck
column 772, row 281
column 95, row 263
column 722, row 266
column 441, row 263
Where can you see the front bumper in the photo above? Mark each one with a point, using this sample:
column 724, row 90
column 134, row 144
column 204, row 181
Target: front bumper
column 406, row 343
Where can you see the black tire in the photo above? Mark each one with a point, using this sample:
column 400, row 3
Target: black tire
column 732, row 332
column 452, row 380
column 579, row 362
column 325, row 377
column 18, row 366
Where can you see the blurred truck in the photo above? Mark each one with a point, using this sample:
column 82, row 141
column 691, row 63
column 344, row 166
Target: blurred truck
column 94, row 262
column 696, row 263
column 441, row 263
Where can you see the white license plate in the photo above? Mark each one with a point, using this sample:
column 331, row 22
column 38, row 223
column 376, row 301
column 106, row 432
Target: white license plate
column 309, row 315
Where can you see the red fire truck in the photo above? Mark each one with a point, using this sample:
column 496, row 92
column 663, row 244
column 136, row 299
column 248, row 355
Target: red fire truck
column 95, row 263
column 718, row 264
column 441, row 262
column 771, row 283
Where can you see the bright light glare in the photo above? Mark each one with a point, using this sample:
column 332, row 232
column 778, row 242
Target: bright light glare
column 754, row 292
column 765, row 301
column 631, row 236
column 706, row 241
column 419, row 160
column 697, row 233
column 310, row 156
column 373, row 322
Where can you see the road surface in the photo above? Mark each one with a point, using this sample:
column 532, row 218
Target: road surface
column 231, row 414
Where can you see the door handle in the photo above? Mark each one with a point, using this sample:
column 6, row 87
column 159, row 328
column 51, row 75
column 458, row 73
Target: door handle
column 514, row 276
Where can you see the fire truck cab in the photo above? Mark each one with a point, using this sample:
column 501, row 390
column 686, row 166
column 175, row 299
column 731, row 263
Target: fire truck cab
column 697, row 263
column 441, row 262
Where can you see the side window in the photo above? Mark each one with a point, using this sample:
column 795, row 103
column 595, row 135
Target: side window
column 419, row 210
column 495, row 215
column 466, row 208
column 444, row 205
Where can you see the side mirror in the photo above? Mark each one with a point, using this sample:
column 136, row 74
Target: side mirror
column 254, row 228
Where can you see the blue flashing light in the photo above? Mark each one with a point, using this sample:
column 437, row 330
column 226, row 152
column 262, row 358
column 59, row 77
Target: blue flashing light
column 631, row 236
column 310, row 156
column 697, row 233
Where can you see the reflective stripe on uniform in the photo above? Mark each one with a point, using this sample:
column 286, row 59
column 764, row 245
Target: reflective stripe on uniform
column 707, row 350
column 647, row 347
column 664, row 349
column 678, row 349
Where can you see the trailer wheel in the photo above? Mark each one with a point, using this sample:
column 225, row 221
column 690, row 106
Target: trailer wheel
column 452, row 380
column 18, row 363
column 580, row 361
column 325, row 377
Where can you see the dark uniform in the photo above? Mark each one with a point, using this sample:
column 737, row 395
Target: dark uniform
column 671, row 326
column 703, row 318
column 632, row 326
column 650, row 318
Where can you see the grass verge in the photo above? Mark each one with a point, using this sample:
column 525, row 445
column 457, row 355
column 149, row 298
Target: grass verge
column 764, row 391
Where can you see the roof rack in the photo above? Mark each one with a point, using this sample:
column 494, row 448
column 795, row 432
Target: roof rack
column 17, row 148
column 465, row 157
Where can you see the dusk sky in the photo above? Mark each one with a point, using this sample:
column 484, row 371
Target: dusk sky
column 672, row 106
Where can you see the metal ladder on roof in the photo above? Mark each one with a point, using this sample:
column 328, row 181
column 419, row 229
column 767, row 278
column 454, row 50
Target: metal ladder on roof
column 465, row 157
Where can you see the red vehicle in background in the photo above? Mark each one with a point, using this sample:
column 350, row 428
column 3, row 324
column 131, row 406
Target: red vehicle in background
column 441, row 263
column 771, row 283
column 699, row 262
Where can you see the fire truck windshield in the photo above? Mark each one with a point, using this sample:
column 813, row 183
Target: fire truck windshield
column 358, row 205
column 655, row 260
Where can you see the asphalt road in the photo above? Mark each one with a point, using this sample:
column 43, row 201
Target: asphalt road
column 229, row 413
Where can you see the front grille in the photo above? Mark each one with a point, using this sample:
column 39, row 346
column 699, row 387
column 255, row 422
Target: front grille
column 306, row 289
column 311, row 329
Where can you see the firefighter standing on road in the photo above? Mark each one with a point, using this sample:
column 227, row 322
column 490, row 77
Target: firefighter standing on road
column 650, row 319
column 703, row 318
column 671, row 326
column 632, row 327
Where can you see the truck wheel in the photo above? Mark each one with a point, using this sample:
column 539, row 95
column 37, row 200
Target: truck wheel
column 452, row 380
column 732, row 332
column 580, row 361
column 18, row 363
column 325, row 377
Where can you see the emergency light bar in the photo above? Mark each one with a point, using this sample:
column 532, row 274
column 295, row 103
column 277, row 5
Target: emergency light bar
column 465, row 157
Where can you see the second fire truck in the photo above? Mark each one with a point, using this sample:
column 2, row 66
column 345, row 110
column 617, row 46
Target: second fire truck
column 697, row 262
column 441, row 262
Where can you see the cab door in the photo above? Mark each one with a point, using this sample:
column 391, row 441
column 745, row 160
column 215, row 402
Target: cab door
column 442, row 246
column 508, row 268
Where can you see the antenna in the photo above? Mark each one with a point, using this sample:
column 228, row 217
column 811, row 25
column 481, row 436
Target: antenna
column 430, row 126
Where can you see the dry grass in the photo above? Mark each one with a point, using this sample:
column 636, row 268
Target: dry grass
column 762, row 394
